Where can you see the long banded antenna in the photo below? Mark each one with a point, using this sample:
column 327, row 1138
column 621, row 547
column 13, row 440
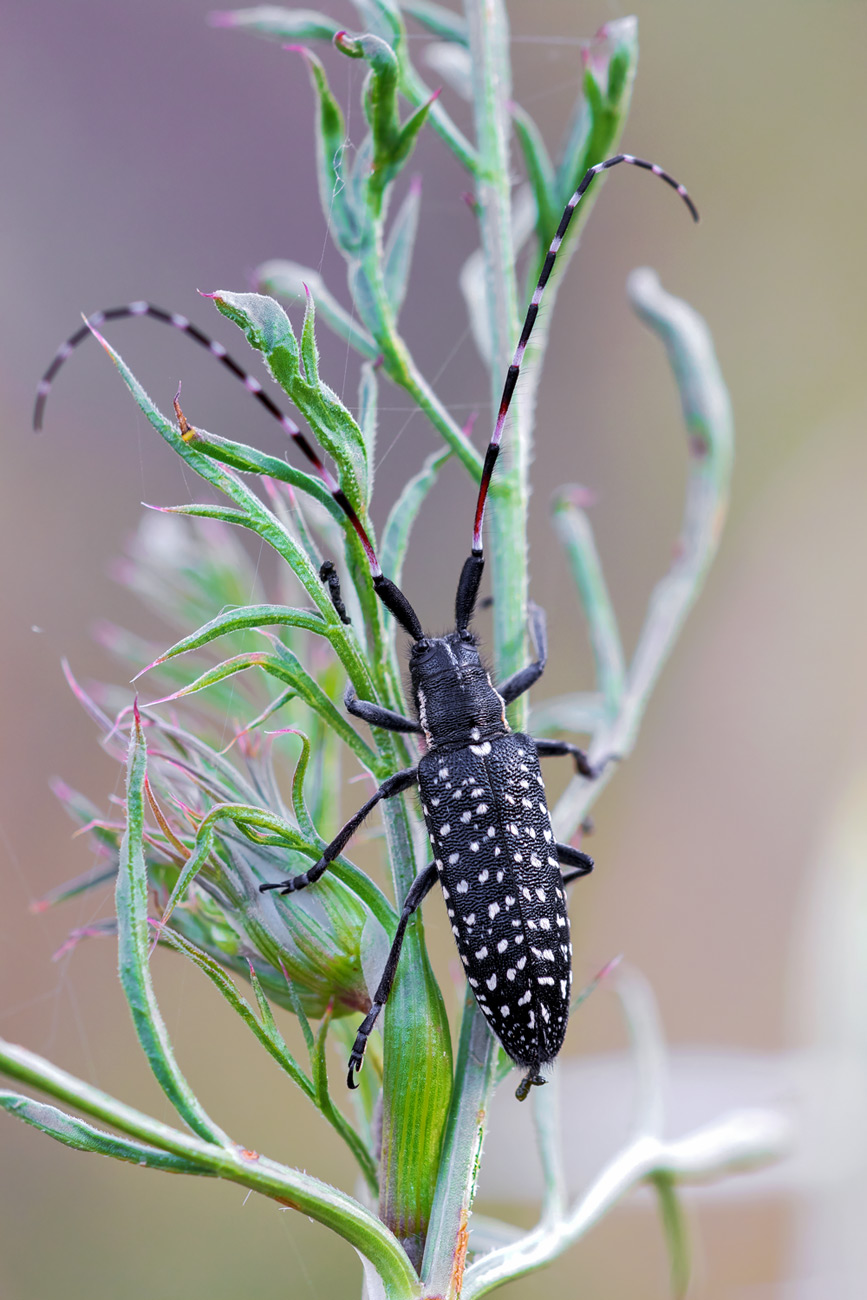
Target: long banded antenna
column 514, row 370
column 391, row 596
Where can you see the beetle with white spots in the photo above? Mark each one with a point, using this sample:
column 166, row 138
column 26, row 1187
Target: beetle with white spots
column 504, row 891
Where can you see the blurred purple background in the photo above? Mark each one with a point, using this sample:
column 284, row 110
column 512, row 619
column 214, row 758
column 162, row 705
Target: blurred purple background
column 148, row 156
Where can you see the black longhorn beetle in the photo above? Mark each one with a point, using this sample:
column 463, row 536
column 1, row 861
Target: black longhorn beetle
column 501, row 870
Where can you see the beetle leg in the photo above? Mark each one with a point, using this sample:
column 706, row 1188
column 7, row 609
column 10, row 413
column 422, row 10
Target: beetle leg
column 583, row 766
column 376, row 716
column 522, row 680
column 400, row 781
column 420, row 887
column 580, row 863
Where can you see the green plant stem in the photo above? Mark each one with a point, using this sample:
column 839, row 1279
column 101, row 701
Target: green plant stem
column 488, row 31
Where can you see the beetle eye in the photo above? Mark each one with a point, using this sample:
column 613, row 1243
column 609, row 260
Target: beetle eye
column 467, row 636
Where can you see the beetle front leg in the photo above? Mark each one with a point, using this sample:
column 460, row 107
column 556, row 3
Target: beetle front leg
column 377, row 716
column 420, row 887
column 522, row 680
column 394, row 785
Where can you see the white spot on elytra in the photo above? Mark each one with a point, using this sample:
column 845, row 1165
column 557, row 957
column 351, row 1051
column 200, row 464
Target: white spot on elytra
column 482, row 953
column 462, row 886
column 445, row 830
column 493, row 909
column 540, row 893
column 545, row 923
column 481, row 750
column 510, row 973
column 465, row 816
column 474, row 847
column 453, row 858
column 522, row 962
column 491, row 982
column 502, row 945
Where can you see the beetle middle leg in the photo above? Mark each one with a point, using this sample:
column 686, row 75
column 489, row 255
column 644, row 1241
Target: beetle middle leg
column 419, row 889
column 581, row 863
column 394, row 785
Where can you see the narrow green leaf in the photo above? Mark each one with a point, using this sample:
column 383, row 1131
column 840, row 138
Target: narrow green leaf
column 75, row 1133
column 540, row 173
column 258, row 824
column 399, row 247
column 368, row 415
column 284, row 279
column 286, row 667
column 278, row 24
column 380, row 96
column 320, row 1068
column 299, row 805
column 309, row 350
column 133, row 952
column 409, row 134
column 267, row 1032
column 237, row 620
column 267, row 328
column 403, row 514
column 250, row 461
column 599, row 116
column 297, row 1007
column 331, row 140
column 383, row 18
column 576, row 534
column 439, row 20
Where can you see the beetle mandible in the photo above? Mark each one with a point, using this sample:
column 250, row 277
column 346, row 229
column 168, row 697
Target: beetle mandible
column 501, row 870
